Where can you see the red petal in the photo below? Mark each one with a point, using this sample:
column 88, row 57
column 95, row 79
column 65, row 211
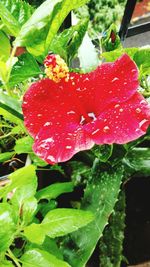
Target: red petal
column 121, row 123
column 59, row 144
column 48, row 102
column 110, row 82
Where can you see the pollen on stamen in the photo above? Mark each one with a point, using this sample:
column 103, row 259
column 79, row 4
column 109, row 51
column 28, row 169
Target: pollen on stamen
column 56, row 68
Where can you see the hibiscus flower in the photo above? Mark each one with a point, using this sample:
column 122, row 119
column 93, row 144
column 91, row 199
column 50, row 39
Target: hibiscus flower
column 69, row 114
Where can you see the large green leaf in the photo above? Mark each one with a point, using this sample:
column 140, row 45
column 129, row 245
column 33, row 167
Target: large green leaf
column 22, row 177
column 11, row 105
column 7, row 226
column 18, row 12
column 44, row 24
column 4, row 47
column 65, row 8
column 66, row 44
column 100, row 197
column 26, row 67
column 39, row 258
column 9, row 20
column 54, row 190
column 58, row 222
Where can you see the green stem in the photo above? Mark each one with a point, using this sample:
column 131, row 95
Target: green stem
column 12, row 256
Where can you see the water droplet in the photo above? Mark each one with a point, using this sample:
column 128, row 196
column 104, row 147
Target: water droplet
column 47, row 123
column 106, row 129
column 96, row 131
column 110, row 92
column 138, row 110
column 143, row 102
column 51, row 158
column 115, row 79
column 92, row 115
column 117, row 106
column 39, row 115
column 68, row 147
column 121, row 109
column 71, row 112
column 143, row 124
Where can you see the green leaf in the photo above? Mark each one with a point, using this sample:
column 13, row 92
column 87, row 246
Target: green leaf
column 21, row 177
column 66, row 44
column 45, row 207
column 141, row 58
column 4, row 47
column 100, row 197
column 29, row 210
column 58, row 222
column 103, row 152
column 23, row 145
column 6, row 156
column 113, row 55
column 48, row 245
column 6, row 264
column 9, row 21
column 64, row 10
column 11, row 105
column 11, row 118
column 37, row 161
column 40, row 258
column 54, row 190
column 3, row 72
column 138, row 161
column 111, row 243
column 7, row 226
column 87, row 55
column 20, row 12
column 44, row 24
column 26, row 67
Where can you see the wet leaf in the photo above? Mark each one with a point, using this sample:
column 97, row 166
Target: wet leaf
column 4, row 47
column 66, row 44
column 25, row 68
column 54, row 190
column 58, row 222
column 21, row 177
column 7, row 226
column 44, row 24
column 9, row 20
column 40, row 258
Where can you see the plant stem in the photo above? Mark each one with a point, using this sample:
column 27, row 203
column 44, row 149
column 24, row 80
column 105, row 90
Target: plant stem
column 12, row 256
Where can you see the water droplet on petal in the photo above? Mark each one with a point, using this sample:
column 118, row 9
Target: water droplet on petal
column 68, row 147
column 51, row 158
column 115, row 79
column 143, row 124
column 121, row 109
column 117, row 106
column 106, row 129
column 96, row 131
column 138, row 110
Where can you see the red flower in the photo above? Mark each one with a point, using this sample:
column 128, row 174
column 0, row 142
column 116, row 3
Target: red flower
column 101, row 107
